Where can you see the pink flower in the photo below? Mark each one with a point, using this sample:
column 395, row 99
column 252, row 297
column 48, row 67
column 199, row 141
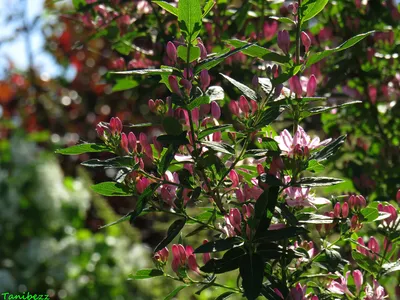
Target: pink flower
column 298, row 292
column 301, row 139
column 377, row 292
column 168, row 191
column 171, row 52
column 392, row 214
column 232, row 223
column 301, row 197
column 340, row 287
column 233, row 175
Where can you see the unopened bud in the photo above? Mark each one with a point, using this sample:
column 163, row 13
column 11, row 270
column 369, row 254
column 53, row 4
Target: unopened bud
column 171, row 52
column 152, row 105
column 284, row 41
column 215, row 110
column 345, row 210
column 295, row 86
column 203, row 50
column 132, row 141
column 173, row 83
column 244, row 105
column 305, row 39
column 187, row 85
column 204, row 80
column 311, row 86
column 234, row 108
column 336, row 210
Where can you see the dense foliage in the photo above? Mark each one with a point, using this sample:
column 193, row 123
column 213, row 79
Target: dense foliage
column 283, row 215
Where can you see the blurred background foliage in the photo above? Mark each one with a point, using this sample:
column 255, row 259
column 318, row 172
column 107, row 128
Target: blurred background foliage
column 49, row 218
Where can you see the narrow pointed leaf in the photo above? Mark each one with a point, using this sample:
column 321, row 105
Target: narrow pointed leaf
column 244, row 89
column 146, row 273
column 219, row 245
column 168, row 7
column 110, row 188
column 252, row 273
column 83, row 148
column 172, row 232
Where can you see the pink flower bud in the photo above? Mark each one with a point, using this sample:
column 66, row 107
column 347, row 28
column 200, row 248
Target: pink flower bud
column 361, row 202
column 311, row 86
column 345, row 210
column 173, row 83
column 171, row 52
column 142, row 184
column 192, row 264
column 203, row 50
column 152, row 105
column 295, row 86
column 215, row 110
column 240, row 196
column 235, row 218
column 284, row 41
column 204, row 79
column 187, row 74
column 373, row 246
column 124, row 142
column 118, row 64
column 354, row 223
column 113, row 127
column 100, row 131
column 260, row 169
column 157, row 145
column 360, row 249
column 132, row 140
column 336, row 210
column 254, row 106
column 305, row 39
column 187, row 85
column 234, row 178
column 118, row 125
column 234, row 108
column 244, row 105
column 146, row 148
column 358, row 280
column 217, row 136
column 196, row 115
column 206, row 256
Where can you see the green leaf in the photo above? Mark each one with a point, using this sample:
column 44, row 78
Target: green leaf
column 257, row 51
column 317, row 181
column 229, row 262
column 365, row 263
column 390, row 267
column 123, row 219
column 370, row 214
column 172, row 232
column 145, row 72
column 168, row 7
column 172, row 126
column 175, row 292
column 220, row 245
column 311, row 8
column 79, row 4
column 124, row 84
column 264, row 209
column 320, row 109
column 268, row 116
column 220, row 128
column 176, row 140
column 314, row 58
column 224, row 296
column 167, row 159
column 83, row 148
column 142, row 201
column 314, row 166
column 329, row 149
column 285, row 76
column 280, row 234
column 115, row 162
column 207, row 8
column 252, row 272
column 310, row 218
column 193, row 55
column 211, row 62
column 190, row 17
column 220, row 147
column 146, row 273
column 197, row 102
column 110, row 188
column 244, row 89
column 283, row 20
